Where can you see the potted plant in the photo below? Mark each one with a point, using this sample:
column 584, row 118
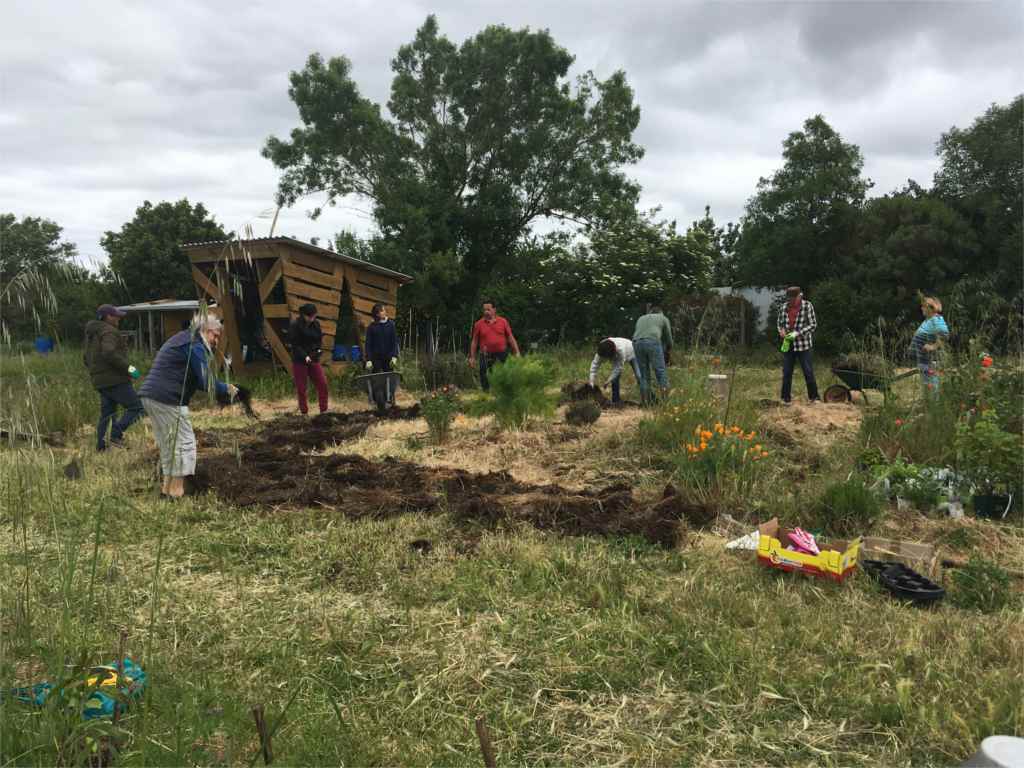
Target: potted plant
column 992, row 460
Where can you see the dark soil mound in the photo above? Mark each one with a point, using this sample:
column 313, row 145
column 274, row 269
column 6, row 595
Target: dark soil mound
column 310, row 434
column 276, row 476
column 583, row 390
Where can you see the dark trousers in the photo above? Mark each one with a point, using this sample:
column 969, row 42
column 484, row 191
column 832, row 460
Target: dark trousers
column 303, row 371
column 616, row 392
column 806, row 365
column 487, row 361
column 110, row 398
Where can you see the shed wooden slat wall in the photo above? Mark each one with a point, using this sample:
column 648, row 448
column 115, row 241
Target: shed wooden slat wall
column 307, row 278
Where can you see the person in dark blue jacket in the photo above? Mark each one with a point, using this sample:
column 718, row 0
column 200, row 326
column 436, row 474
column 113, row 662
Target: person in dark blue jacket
column 181, row 369
column 381, row 342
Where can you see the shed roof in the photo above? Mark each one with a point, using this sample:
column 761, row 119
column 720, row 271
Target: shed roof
column 291, row 241
column 163, row 305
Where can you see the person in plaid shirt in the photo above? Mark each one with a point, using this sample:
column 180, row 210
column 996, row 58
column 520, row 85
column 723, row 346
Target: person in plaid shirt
column 797, row 321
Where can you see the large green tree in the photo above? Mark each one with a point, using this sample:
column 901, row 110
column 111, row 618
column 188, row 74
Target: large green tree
column 982, row 176
column 479, row 142
column 35, row 264
column 798, row 227
column 146, row 256
column 907, row 243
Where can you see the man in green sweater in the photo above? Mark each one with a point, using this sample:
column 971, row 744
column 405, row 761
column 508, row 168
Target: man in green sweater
column 652, row 343
column 106, row 357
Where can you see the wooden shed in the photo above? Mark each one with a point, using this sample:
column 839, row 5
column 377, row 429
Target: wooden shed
column 260, row 284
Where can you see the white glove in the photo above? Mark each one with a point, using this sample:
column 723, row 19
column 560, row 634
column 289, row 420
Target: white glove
column 308, row 360
column 369, row 365
column 232, row 391
column 394, row 361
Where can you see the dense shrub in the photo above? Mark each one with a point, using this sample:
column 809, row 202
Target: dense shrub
column 848, row 508
column 517, row 392
column 980, row 585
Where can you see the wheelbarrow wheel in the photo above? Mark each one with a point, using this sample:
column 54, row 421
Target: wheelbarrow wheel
column 837, row 393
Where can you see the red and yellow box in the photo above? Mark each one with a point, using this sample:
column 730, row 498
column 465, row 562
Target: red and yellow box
column 836, row 561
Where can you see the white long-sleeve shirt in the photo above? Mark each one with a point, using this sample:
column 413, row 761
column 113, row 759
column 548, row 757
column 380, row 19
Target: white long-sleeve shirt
column 623, row 354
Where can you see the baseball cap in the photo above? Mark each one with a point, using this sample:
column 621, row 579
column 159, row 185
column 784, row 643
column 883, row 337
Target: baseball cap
column 108, row 310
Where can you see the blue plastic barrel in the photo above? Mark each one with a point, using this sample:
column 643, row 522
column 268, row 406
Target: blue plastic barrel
column 339, row 352
column 44, row 345
column 354, row 355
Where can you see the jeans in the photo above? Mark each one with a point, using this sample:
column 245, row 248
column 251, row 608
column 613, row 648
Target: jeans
column 615, row 381
column 111, row 397
column 487, row 361
column 650, row 354
column 929, row 379
column 807, row 366
column 300, row 373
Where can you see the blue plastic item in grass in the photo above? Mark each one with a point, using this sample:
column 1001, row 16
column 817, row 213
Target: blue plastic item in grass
column 106, row 680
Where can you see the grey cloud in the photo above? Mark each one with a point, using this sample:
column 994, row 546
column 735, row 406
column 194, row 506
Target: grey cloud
column 130, row 101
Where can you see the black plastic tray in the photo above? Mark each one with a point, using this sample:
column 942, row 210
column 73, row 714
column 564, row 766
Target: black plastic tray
column 904, row 582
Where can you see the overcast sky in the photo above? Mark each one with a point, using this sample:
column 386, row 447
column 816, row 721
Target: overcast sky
column 104, row 105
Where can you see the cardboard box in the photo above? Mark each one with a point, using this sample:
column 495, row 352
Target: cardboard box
column 836, row 561
column 918, row 556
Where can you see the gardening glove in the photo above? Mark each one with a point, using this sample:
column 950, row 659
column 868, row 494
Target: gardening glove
column 232, row 391
column 308, row 361
column 394, row 361
column 369, row 365
column 133, row 372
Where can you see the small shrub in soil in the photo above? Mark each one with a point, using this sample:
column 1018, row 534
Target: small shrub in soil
column 582, row 412
column 848, row 508
column 439, row 409
column 980, row 585
column 518, row 392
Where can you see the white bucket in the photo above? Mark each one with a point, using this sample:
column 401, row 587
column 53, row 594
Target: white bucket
column 718, row 383
column 997, row 752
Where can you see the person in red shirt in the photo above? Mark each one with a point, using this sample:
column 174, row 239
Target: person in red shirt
column 493, row 336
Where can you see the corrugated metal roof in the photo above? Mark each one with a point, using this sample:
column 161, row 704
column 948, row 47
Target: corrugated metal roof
column 307, row 247
column 162, row 305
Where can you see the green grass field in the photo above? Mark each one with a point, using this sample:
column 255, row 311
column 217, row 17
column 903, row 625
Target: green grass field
column 364, row 651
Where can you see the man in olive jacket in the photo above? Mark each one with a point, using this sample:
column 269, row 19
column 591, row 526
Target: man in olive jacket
column 106, row 357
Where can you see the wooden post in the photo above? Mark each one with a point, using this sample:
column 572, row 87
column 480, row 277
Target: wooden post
column 261, row 729
column 149, row 322
column 485, row 743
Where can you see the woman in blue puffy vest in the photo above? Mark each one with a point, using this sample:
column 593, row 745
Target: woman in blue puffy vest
column 181, row 369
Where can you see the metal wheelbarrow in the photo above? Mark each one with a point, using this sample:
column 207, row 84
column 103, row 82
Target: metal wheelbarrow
column 381, row 388
column 859, row 381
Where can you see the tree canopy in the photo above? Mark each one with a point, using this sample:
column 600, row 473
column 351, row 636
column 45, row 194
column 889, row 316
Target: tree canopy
column 479, row 141
column 35, row 265
column 797, row 228
column 146, row 254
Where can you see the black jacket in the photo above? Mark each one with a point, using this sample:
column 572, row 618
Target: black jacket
column 305, row 340
column 381, row 341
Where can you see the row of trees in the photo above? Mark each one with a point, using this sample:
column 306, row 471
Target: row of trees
column 44, row 288
column 492, row 173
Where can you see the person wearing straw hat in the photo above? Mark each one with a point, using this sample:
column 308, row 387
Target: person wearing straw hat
column 106, row 358
column 181, row 369
column 305, row 337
